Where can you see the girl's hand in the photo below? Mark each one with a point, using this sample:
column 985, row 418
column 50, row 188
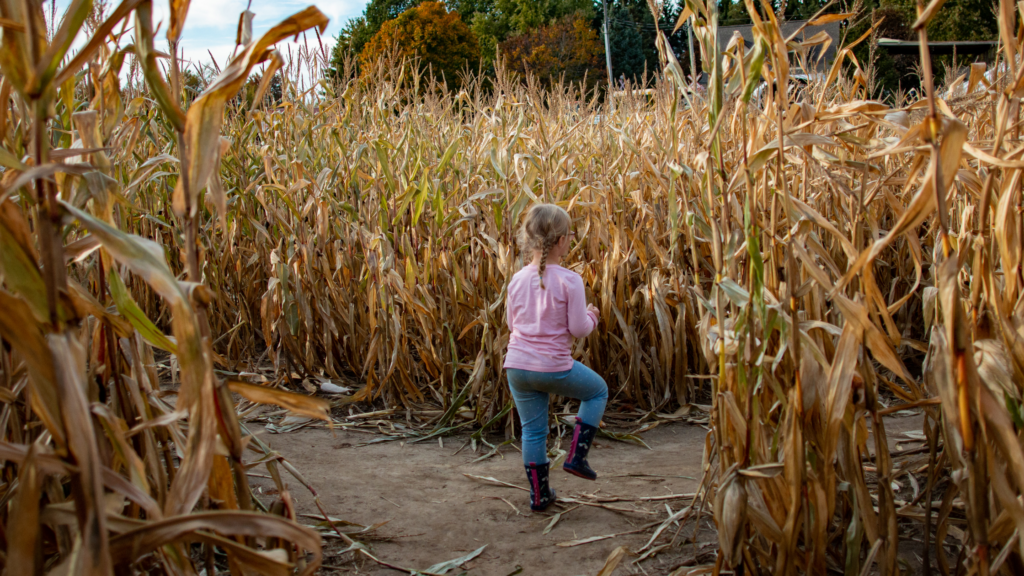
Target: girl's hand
column 592, row 308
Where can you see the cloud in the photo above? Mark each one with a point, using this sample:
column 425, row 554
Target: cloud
column 211, row 25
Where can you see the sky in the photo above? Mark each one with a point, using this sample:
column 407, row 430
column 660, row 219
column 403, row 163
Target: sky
column 211, row 24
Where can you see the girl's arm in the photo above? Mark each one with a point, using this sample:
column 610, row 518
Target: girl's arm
column 581, row 320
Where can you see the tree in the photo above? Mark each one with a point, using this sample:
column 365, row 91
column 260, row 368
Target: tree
column 469, row 8
column 626, row 45
column 273, row 96
column 568, row 50
column 956, row 20
column 192, row 85
column 633, row 37
column 494, row 21
column 358, row 31
column 439, row 39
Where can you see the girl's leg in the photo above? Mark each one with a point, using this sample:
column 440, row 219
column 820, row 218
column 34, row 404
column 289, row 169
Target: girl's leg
column 586, row 385
column 582, row 383
column 533, row 415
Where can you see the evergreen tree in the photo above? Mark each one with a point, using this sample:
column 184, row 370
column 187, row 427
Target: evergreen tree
column 626, row 46
column 633, row 36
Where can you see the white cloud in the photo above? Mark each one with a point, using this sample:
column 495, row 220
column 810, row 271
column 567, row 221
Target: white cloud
column 211, row 25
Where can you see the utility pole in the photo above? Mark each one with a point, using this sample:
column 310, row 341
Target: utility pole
column 608, row 54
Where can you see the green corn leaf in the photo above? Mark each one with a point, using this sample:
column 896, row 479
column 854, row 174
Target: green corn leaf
column 128, row 308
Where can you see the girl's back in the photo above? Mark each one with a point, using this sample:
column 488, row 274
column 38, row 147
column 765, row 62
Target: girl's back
column 543, row 321
column 547, row 306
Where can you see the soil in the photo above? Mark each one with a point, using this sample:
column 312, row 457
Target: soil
column 434, row 513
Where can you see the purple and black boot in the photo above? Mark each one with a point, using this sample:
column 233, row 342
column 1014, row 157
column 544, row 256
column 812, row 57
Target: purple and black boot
column 576, row 461
column 541, row 495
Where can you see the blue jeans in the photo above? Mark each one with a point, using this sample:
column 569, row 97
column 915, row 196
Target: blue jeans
column 530, row 391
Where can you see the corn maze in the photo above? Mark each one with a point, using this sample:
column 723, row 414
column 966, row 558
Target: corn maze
column 799, row 265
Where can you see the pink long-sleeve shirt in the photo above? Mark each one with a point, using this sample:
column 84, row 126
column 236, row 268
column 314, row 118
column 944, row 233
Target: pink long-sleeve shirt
column 543, row 321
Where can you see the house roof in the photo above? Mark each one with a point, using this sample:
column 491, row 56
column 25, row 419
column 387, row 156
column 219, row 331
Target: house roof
column 788, row 28
column 945, row 47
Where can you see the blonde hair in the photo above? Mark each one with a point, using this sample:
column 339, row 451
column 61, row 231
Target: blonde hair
column 543, row 225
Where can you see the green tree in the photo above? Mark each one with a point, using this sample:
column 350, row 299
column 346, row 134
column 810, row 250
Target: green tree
column 467, row 9
column 497, row 20
column 633, row 37
column 956, row 20
column 358, row 31
column 441, row 41
column 626, row 45
column 568, row 50
column 272, row 97
column 192, row 85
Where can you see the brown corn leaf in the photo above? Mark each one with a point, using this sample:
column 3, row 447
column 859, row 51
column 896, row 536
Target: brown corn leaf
column 19, row 45
column 829, row 18
column 20, row 328
column 130, row 546
column 244, row 35
column 69, row 366
column 297, row 403
column 613, row 561
column 205, row 116
column 179, row 10
column 927, row 14
column 23, row 545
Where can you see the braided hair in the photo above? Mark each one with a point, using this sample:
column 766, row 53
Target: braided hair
column 543, row 226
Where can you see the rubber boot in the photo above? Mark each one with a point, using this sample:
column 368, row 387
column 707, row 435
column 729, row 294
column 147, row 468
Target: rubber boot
column 541, row 495
column 576, row 461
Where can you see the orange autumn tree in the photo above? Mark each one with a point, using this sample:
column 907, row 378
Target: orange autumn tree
column 568, row 50
column 442, row 42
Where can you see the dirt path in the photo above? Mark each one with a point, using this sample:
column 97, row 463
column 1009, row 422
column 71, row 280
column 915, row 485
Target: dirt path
column 434, row 513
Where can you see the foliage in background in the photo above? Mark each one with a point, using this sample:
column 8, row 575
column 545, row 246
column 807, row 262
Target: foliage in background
column 962, row 20
column 626, row 46
column 358, row 31
column 567, row 51
column 633, row 34
column 273, row 93
column 958, row 19
column 495, row 21
column 437, row 40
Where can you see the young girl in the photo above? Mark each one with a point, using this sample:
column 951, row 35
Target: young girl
column 547, row 307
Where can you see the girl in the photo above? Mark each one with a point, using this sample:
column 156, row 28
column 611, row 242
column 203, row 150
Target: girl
column 547, row 307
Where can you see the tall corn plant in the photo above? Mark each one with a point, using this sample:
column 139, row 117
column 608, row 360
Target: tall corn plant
column 806, row 347
column 100, row 473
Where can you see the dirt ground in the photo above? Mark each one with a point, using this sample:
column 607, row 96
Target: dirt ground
column 434, row 513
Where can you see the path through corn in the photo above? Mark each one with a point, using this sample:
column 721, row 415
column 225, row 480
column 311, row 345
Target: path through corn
column 435, row 513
